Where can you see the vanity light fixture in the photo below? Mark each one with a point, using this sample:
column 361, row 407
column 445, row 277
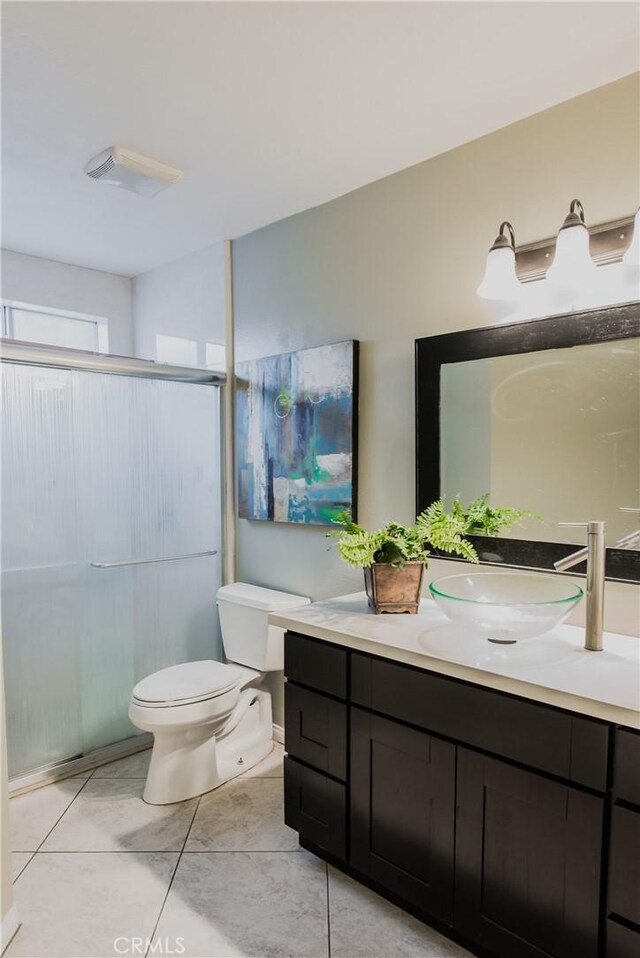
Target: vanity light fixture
column 500, row 281
column 572, row 269
column 571, row 263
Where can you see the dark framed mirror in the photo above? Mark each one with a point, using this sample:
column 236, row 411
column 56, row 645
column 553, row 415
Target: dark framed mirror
column 542, row 415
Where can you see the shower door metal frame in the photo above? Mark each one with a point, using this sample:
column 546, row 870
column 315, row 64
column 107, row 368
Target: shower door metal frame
column 57, row 357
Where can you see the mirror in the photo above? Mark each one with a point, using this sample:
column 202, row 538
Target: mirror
column 542, row 416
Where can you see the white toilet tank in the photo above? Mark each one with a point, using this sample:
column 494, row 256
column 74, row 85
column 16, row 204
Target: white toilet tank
column 247, row 637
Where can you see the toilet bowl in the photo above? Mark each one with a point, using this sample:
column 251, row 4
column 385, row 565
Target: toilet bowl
column 212, row 721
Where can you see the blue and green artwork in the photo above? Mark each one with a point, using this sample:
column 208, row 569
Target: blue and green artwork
column 296, row 434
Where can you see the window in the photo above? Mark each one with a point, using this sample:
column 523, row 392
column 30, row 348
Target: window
column 54, row 328
column 215, row 356
column 176, row 351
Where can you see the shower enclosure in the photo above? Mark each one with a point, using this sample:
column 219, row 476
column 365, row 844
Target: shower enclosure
column 111, row 517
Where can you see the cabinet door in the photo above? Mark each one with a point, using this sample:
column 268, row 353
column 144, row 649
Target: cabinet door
column 314, row 806
column 528, row 856
column 402, row 811
column 316, row 730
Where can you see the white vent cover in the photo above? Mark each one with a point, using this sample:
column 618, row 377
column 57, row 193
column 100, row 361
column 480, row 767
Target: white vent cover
column 119, row 166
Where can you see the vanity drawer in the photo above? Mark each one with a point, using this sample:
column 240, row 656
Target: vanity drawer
column 571, row 747
column 624, row 864
column 622, row 942
column 317, row 664
column 315, row 806
column 626, row 766
column 316, row 730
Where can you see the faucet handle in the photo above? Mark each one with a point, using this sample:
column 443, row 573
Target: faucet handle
column 629, row 509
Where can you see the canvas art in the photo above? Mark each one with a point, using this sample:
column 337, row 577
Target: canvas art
column 296, row 432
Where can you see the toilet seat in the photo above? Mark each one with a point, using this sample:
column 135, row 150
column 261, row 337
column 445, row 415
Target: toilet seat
column 186, row 684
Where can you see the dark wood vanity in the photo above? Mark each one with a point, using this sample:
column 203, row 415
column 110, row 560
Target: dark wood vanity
column 510, row 825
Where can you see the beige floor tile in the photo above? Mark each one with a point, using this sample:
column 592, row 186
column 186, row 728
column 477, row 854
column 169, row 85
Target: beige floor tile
column 19, row 861
column 133, row 766
column 111, row 816
column 77, row 905
column 34, row 814
column 245, row 815
column 248, row 904
column 364, row 925
column 270, row 767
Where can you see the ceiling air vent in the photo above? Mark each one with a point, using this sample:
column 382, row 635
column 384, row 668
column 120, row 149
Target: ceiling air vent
column 131, row 171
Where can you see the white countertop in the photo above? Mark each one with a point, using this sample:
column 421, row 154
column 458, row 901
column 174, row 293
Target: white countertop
column 554, row 669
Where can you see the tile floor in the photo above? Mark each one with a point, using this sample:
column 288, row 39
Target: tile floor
column 100, row 873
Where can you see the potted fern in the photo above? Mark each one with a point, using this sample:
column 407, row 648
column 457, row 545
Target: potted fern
column 394, row 558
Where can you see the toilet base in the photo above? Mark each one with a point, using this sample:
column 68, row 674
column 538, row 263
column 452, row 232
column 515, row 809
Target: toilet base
column 188, row 763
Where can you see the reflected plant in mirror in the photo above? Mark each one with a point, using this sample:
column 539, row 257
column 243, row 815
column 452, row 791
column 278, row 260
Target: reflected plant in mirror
column 483, row 519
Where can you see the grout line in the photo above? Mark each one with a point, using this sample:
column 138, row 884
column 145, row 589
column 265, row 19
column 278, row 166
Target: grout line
column 173, row 875
column 110, row 851
column 157, row 851
column 328, row 914
column 57, row 822
column 121, row 778
column 32, row 855
column 243, row 851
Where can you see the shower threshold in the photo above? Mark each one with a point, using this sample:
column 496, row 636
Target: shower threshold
column 46, row 774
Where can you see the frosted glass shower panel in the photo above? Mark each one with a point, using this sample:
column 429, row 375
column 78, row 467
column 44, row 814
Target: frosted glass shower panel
column 176, row 513
column 40, row 567
column 100, row 474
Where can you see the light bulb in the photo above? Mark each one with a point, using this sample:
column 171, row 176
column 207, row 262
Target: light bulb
column 573, row 271
column 500, row 281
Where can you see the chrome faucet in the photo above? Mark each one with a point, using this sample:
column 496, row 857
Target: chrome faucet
column 595, row 554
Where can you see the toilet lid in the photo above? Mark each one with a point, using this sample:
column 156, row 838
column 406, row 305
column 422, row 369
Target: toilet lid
column 191, row 681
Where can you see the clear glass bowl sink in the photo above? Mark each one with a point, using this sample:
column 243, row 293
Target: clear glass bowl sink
column 505, row 606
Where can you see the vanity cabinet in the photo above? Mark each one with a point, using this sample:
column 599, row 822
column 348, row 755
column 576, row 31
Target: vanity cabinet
column 316, row 733
column 527, row 861
column 492, row 816
column 402, row 811
column 623, row 891
column 315, row 806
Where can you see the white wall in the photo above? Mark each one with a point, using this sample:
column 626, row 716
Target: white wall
column 400, row 259
column 184, row 298
column 45, row 282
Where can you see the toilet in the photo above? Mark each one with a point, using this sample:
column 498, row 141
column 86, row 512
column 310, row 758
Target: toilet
column 212, row 720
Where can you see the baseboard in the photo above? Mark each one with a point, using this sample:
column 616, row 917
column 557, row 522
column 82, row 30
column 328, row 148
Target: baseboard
column 10, row 925
column 278, row 734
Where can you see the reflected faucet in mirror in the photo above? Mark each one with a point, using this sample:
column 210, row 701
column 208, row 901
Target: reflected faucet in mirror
column 632, row 538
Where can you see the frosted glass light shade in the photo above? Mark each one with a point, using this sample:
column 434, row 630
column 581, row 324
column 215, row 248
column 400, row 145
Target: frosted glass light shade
column 572, row 270
column 500, row 281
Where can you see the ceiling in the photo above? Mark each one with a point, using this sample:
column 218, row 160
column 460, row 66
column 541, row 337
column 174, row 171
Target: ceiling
column 269, row 108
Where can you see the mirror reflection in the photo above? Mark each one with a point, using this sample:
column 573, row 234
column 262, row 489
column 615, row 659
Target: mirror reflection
column 556, row 432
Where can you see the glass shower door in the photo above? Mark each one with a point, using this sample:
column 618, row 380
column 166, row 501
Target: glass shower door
column 101, row 474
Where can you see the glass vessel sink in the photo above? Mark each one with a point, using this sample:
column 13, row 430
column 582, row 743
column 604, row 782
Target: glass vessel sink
column 505, row 606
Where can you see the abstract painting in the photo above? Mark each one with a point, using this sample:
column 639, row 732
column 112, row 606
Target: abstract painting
column 296, row 432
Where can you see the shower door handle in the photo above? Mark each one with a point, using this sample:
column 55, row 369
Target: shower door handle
column 119, row 565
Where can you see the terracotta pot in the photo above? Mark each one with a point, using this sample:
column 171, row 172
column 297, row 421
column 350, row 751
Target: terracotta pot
column 394, row 590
